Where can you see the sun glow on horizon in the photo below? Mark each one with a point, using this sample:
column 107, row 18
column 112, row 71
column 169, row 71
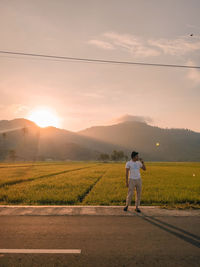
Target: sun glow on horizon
column 44, row 117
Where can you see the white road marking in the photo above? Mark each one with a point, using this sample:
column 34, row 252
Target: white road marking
column 51, row 251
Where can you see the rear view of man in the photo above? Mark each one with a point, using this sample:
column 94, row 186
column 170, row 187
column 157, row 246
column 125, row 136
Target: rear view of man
column 133, row 173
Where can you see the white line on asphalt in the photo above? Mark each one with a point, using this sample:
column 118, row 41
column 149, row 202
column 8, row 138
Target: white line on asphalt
column 52, row 251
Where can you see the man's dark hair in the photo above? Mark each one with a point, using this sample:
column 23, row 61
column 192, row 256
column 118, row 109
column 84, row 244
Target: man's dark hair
column 133, row 154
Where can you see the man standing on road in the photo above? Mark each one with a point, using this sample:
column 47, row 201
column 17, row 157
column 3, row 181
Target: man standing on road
column 133, row 173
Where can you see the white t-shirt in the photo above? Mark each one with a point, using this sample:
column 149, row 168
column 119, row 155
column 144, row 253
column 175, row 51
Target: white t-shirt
column 134, row 167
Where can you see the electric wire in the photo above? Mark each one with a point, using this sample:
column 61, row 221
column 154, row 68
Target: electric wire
column 92, row 60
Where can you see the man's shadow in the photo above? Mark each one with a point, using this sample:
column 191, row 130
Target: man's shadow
column 182, row 234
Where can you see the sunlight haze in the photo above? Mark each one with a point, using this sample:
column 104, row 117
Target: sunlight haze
column 87, row 94
column 44, row 117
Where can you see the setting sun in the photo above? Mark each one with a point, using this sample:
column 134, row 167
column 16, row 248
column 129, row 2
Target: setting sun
column 44, row 117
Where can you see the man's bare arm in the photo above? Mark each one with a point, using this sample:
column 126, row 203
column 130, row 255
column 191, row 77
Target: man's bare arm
column 143, row 165
column 127, row 172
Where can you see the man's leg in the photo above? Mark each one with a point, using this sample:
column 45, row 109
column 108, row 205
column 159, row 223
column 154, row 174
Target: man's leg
column 138, row 194
column 130, row 194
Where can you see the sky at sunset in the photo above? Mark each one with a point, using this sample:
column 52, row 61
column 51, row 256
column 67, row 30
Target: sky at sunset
column 86, row 94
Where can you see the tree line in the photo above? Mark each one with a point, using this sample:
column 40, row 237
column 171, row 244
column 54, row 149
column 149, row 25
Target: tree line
column 11, row 154
column 114, row 156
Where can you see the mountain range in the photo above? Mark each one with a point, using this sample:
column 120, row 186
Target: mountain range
column 27, row 141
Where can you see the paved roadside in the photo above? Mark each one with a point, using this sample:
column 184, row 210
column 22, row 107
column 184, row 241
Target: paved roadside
column 92, row 211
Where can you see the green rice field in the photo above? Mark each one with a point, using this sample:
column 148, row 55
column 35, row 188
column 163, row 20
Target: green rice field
column 94, row 183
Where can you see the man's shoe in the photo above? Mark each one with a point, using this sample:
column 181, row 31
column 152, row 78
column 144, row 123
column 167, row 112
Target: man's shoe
column 138, row 210
column 126, row 208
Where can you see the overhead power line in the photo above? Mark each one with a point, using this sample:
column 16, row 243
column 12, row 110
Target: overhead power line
column 99, row 60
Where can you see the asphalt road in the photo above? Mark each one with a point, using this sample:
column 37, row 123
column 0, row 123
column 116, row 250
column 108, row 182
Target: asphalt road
column 103, row 240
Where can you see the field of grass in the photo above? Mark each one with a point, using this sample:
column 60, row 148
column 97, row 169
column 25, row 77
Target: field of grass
column 12, row 174
column 87, row 183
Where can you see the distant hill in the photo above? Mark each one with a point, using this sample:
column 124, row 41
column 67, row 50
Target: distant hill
column 175, row 144
column 15, row 124
column 27, row 141
column 31, row 142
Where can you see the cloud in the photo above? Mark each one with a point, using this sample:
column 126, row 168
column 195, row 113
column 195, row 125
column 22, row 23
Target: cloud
column 193, row 74
column 93, row 95
column 133, row 44
column 128, row 117
column 13, row 110
column 141, row 47
column 179, row 46
column 102, row 44
column 20, row 109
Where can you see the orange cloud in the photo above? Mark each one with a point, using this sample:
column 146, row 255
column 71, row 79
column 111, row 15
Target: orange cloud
column 140, row 47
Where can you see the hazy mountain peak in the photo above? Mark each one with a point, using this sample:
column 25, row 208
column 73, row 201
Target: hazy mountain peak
column 7, row 125
column 132, row 118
